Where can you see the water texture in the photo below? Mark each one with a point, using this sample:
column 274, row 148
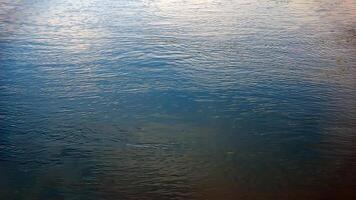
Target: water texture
column 177, row 99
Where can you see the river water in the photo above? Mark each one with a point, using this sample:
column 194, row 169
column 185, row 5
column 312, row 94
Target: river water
column 177, row 99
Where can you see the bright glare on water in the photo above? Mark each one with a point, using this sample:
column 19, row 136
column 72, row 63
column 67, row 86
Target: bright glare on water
column 177, row 99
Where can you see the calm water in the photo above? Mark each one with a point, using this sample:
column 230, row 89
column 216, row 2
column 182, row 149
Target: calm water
column 177, row 99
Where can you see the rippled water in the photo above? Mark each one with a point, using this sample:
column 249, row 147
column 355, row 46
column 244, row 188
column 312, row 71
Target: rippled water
column 177, row 99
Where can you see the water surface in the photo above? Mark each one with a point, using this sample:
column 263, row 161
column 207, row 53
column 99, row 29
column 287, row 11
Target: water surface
column 175, row 99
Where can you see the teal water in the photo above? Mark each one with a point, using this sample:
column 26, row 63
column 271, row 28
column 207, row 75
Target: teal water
column 175, row 99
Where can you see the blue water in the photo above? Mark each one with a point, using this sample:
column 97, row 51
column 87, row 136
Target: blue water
column 175, row 99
